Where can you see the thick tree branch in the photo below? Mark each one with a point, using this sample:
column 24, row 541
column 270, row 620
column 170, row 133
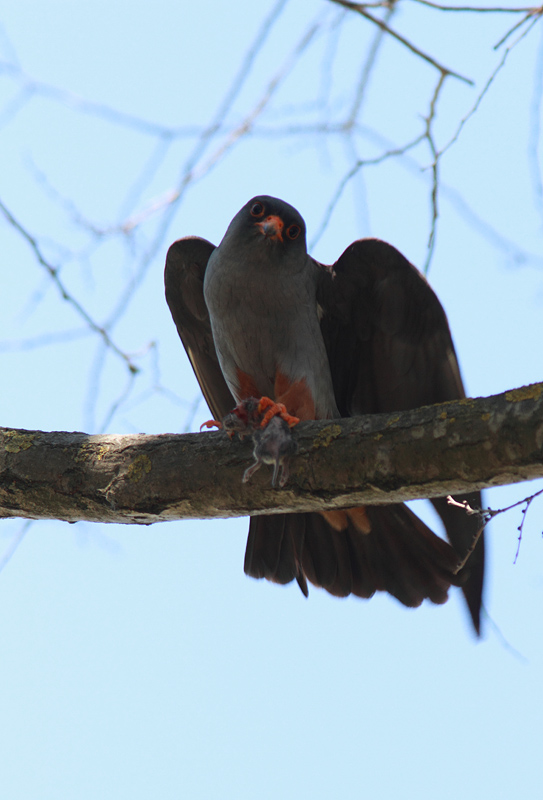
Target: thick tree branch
column 431, row 451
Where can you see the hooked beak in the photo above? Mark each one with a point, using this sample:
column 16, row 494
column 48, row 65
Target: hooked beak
column 271, row 228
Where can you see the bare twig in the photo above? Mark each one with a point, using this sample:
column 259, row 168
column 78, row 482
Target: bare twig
column 475, row 9
column 65, row 294
column 368, row 66
column 486, row 514
column 532, row 15
column 31, row 87
column 435, row 174
column 43, row 340
column 358, row 165
column 475, row 106
column 361, row 9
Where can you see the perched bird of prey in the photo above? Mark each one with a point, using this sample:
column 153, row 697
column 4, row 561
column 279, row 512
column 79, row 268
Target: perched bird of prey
column 259, row 317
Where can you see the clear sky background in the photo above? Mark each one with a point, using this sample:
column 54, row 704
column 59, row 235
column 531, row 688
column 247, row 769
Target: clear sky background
column 140, row 662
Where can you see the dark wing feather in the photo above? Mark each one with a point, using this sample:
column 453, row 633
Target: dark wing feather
column 390, row 349
column 382, row 317
column 186, row 264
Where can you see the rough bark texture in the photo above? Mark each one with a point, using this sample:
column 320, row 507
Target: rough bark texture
column 431, row 451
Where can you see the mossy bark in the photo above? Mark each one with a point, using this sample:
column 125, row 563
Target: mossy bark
column 428, row 452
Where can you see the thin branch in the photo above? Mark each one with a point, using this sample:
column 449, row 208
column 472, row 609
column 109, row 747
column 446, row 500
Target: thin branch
column 521, row 528
column 467, row 212
column 32, row 86
column 486, row 514
column 476, row 9
column 475, row 106
column 367, row 68
column 487, row 231
column 143, row 179
column 118, row 402
column 533, row 16
column 358, row 165
column 64, row 293
column 435, row 174
column 361, row 9
column 482, row 94
column 43, row 340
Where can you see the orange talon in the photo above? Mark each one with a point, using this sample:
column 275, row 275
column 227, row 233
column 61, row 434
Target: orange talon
column 289, row 419
column 211, row 423
column 265, row 402
column 275, row 410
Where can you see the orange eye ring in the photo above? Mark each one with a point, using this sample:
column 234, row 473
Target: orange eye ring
column 257, row 210
column 293, row 231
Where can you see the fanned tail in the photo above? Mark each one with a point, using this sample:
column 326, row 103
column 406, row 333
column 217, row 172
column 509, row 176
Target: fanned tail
column 399, row 555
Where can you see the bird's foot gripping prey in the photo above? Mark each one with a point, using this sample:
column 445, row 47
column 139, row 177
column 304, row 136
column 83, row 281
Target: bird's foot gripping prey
column 269, row 425
column 259, row 317
column 254, row 414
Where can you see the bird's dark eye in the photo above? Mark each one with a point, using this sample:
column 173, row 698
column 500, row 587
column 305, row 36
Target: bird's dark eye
column 293, row 231
column 257, row 210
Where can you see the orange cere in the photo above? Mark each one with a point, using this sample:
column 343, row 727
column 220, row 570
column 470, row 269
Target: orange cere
column 271, row 227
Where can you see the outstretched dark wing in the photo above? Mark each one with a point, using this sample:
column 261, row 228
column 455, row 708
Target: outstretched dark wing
column 184, row 280
column 386, row 333
column 390, row 349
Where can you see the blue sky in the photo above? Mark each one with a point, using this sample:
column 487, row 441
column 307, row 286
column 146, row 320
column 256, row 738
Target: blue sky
column 141, row 662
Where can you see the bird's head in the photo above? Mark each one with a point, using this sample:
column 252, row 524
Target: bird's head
column 269, row 225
